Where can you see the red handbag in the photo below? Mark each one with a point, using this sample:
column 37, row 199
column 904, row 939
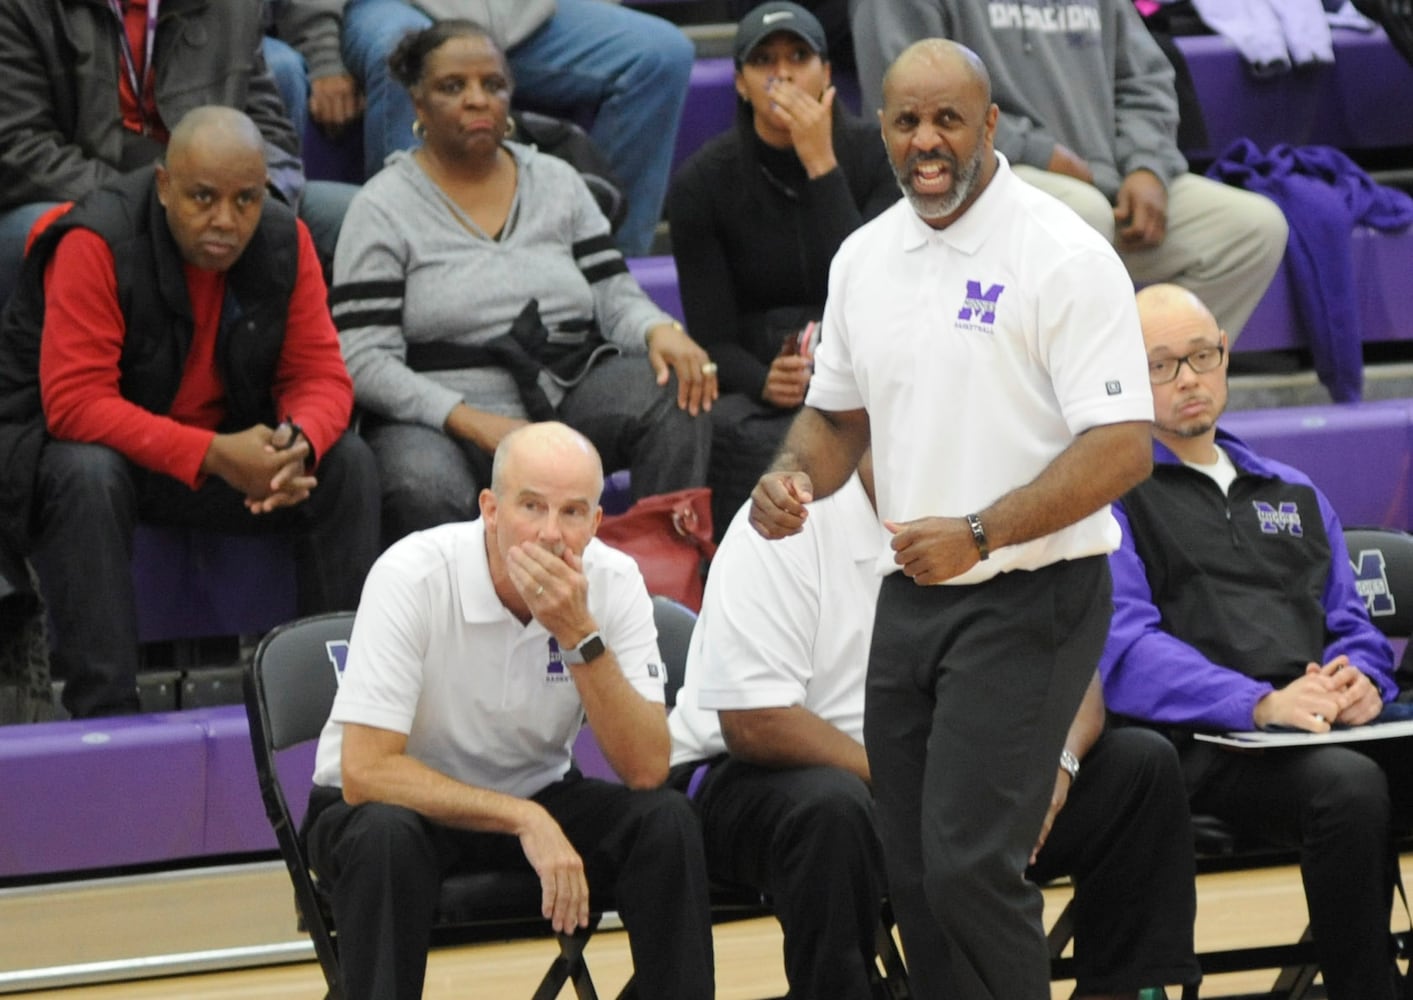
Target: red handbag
column 669, row 535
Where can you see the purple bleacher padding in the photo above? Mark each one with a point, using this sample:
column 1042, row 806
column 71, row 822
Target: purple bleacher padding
column 1274, row 325
column 1358, row 102
column 846, row 87
column 617, row 492
column 235, row 816
column 1381, row 262
column 710, row 107
column 658, row 277
column 1359, row 454
column 99, row 793
column 191, row 584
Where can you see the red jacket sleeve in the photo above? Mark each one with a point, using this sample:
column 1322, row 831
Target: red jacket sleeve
column 78, row 367
column 312, row 386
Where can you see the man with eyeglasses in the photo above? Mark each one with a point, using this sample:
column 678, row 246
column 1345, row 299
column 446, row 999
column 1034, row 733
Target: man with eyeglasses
column 1235, row 608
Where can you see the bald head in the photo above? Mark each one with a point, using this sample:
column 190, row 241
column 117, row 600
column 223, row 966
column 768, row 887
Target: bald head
column 941, row 57
column 218, row 129
column 550, row 445
column 1165, row 309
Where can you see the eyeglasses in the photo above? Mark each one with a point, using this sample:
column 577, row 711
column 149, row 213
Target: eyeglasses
column 1201, row 361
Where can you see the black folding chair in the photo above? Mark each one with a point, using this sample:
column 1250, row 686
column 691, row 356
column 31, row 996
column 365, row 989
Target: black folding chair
column 1382, row 559
column 289, row 691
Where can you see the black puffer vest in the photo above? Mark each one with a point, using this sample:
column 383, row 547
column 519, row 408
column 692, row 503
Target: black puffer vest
column 156, row 308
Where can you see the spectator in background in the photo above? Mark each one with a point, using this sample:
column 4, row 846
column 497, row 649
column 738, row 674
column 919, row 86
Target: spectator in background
column 476, row 287
column 1235, row 608
column 833, row 17
column 628, row 68
column 304, row 57
column 67, row 124
column 1089, row 114
column 757, row 215
column 174, row 329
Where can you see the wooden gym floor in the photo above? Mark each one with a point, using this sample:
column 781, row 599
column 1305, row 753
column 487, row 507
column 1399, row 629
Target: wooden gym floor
column 213, row 915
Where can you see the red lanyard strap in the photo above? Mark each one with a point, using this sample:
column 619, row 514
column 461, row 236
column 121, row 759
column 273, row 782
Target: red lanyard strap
column 138, row 77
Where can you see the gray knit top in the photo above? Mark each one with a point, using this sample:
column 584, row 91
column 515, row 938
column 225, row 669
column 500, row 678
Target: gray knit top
column 412, row 267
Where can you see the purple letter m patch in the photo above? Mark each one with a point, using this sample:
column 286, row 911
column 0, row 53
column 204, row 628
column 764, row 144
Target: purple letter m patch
column 979, row 306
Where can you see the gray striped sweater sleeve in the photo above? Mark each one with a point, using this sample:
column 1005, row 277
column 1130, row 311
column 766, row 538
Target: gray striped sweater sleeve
column 367, row 299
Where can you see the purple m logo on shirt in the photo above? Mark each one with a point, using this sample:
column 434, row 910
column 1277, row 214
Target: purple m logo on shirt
column 978, row 306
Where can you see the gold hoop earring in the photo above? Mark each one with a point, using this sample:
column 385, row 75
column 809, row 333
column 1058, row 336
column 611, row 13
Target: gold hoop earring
column 419, row 130
column 509, row 127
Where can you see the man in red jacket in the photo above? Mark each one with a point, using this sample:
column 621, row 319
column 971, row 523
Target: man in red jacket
column 189, row 374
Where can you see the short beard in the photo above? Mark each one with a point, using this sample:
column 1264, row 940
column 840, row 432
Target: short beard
column 932, row 207
column 1193, row 430
column 1196, row 428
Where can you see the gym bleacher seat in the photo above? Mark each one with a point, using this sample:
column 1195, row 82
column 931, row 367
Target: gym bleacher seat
column 1385, row 296
column 1359, row 102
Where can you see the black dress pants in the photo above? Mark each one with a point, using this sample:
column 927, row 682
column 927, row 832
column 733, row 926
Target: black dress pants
column 970, row 692
column 805, row 836
column 1124, row 837
column 1338, row 805
column 89, row 499
column 383, row 865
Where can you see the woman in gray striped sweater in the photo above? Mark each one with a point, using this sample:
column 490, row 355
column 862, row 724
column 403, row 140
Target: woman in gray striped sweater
column 477, row 287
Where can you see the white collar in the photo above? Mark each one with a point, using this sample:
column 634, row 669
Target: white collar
column 968, row 232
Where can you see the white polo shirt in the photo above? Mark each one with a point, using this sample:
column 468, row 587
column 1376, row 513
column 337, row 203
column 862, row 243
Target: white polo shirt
column 784, row 623
column 980, row 351
column 482, row 698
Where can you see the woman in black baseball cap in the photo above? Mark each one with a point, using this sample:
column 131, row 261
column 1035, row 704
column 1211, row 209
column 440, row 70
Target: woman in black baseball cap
column 756, row 216
column 833, row 15
column 765, row 20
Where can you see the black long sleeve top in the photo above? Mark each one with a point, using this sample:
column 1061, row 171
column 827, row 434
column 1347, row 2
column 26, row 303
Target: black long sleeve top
column 753, row 237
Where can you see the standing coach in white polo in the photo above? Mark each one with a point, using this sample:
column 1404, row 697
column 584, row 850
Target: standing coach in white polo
column 983, row 339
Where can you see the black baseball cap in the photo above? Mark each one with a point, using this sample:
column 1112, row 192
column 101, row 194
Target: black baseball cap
column 778, row 15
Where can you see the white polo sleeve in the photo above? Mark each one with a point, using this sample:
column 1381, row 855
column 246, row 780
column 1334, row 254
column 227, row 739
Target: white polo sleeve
column 759, row 621
column 382, row 678
column 619, row 601
column 833, row 386
column 1093, row 343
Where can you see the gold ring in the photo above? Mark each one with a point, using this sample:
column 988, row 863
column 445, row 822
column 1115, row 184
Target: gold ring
column 709, row 368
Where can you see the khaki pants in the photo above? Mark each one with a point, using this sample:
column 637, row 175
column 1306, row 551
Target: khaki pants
column 1223, row 244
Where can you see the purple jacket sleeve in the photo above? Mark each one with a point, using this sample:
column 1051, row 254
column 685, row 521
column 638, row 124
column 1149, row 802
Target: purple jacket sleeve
column 1153, row 676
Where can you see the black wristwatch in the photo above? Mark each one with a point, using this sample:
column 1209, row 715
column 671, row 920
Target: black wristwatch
column 978, row 534
column 590, row 647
